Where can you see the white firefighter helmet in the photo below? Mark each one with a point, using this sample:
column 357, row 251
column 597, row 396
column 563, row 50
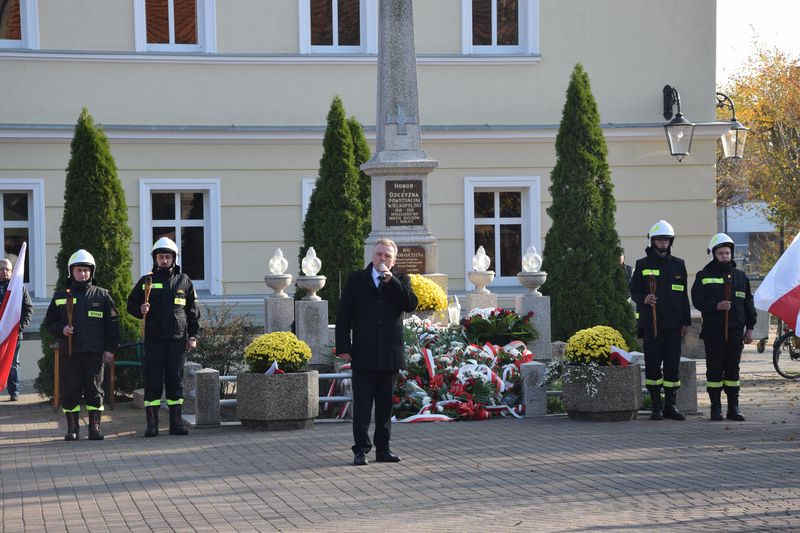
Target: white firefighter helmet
column 80, row 258
column 164, row 245
column 718, row 240
column 662, row 228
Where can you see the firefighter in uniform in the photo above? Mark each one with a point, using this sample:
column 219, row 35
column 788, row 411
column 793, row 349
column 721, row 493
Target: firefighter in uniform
column 95, row 336
column 171, row 325
column 658, row 285
column 721, row 290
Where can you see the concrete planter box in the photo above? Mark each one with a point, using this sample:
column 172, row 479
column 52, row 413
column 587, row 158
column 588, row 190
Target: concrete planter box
column 618, row 397
column 278, row 401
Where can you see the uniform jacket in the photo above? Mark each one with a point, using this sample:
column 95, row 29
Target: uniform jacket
column 672, row 307
column 94, row 319
column 27, row 305
column 709, row 289
column 375, row 318
column 173, row 305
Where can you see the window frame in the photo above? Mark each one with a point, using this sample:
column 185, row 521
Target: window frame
column 37, row 275
column 369, row 30
column 206, row 30
column 212, row 223
column 528, row 31
column 531, row 217
column 29, row 27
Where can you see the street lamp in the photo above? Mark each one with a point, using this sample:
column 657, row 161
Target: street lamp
column 732, row 140
column 679, row 130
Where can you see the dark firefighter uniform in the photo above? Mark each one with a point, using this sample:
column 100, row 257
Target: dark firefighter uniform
column 672, row 312
column 95, row 330
column 723, row 357
column 173, row 317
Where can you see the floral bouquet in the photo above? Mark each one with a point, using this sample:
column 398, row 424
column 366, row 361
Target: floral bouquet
column 593, row 345
column 282, row 347
column 498, row 326
column 430, row 296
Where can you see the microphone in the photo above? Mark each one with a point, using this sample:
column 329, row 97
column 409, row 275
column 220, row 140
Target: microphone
column 382, row 274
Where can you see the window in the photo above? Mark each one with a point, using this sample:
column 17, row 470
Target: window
column 188, row 213
column 19, row 24
column 175, row 25
column 22, row 220
column 338, row 26
column 502, row 215
column 500, row 27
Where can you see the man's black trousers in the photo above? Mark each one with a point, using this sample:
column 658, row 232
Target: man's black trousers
column 723, row 358
column 163, row 366
column 664, row 349
column 81, row 380
column 372, row 386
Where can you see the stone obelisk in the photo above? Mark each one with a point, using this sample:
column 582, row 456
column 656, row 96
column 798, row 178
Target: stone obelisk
column 399, row 169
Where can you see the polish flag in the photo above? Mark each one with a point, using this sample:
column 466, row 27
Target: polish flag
column 427, row 356
column 618, row 355
column 779, row 293
column 10, row 313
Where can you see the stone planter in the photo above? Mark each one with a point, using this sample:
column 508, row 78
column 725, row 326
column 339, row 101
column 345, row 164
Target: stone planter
column 278, row 401
column 618, row 396
column 437, row 317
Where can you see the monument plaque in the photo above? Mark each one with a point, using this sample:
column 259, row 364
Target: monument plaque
column 403, row 203
column 410, row 259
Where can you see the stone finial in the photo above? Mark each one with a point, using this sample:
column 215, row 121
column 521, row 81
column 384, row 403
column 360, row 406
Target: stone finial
column 311, row 264
column 481, row 261
column 277, row 263
column 531, row 261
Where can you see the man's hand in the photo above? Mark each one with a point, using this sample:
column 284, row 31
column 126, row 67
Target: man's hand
column 68, row 330
column 684, row 330
column 108, row 357
column 650, row 299
column 145, row 308
column 346, row 357
column 724, row 305
column 191, row 344
column 385, row 272
column 748, row 336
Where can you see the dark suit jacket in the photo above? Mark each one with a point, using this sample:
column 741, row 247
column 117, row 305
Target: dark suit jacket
column 375, row 318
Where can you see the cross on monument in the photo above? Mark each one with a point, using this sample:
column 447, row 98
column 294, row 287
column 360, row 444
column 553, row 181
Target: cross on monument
column 401, row 119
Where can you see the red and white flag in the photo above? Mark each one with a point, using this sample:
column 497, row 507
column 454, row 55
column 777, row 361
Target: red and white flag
column 427, row 356
column 779, row 293
column 10, row 313
column 618, row 355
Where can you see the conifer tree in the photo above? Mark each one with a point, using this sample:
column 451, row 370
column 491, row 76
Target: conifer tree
column 361, row 154
column 581, row 254
column 96, row 219
column 334, row 223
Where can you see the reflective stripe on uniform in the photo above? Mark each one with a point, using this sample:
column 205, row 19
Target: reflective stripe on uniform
column 637, row 315
column 95, row 314
column 75, row 409
column 731, row 383
column 651, row 272
column 154, row 286
column 180, row 301
column 713, row 384
column 152, row 403
column 706, row 281
column 740, row 294
column 653, row 381
column 676, row 287
column 93, row 408
column 63, row 301
column 671, row 384
column 175, row 402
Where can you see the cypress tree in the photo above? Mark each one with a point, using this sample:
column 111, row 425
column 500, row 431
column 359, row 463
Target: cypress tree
column 96, row 219
column 334, row 223
column 581, row 254
column 362, row 154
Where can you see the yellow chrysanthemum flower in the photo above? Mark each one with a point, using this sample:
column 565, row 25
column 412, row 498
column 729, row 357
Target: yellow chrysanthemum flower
column 291, row 353
column 593, row 345
column 429, row 295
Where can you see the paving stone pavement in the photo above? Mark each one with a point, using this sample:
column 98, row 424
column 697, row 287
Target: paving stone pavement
column 544, row 474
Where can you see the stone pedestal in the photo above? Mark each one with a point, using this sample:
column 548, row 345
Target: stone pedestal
column 540, row 305
column 534, row 395
column 618, row 394
column 278, row 401
column 557, row 349
column 480, row 300
column 207, row 397
column 311, row 326
column 439, row 279
column 278, row 314
column 686, row 399
column 189, row 386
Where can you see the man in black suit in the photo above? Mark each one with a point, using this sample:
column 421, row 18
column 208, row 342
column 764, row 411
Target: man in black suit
column 371, row 309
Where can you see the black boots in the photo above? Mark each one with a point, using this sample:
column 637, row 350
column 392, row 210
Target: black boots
column 175, row 421
column 715, row 395
column 152, row 421
column 72, row 426
column 94, row 425
column 670, row 411
column 655, row 397
column 733, row 406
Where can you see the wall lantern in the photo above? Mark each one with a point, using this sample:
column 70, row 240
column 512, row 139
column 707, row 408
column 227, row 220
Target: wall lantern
column 732, row 140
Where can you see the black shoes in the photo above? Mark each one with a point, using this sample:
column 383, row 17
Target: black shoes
column 734, row 413
column 14, row 398
column 176, row 426
column 95, row 433
column 387, row 457
column 73, row 431
column 360, row 458
column 152, row 421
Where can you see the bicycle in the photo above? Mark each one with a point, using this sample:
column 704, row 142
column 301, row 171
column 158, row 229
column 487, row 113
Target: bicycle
column 786, row 355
